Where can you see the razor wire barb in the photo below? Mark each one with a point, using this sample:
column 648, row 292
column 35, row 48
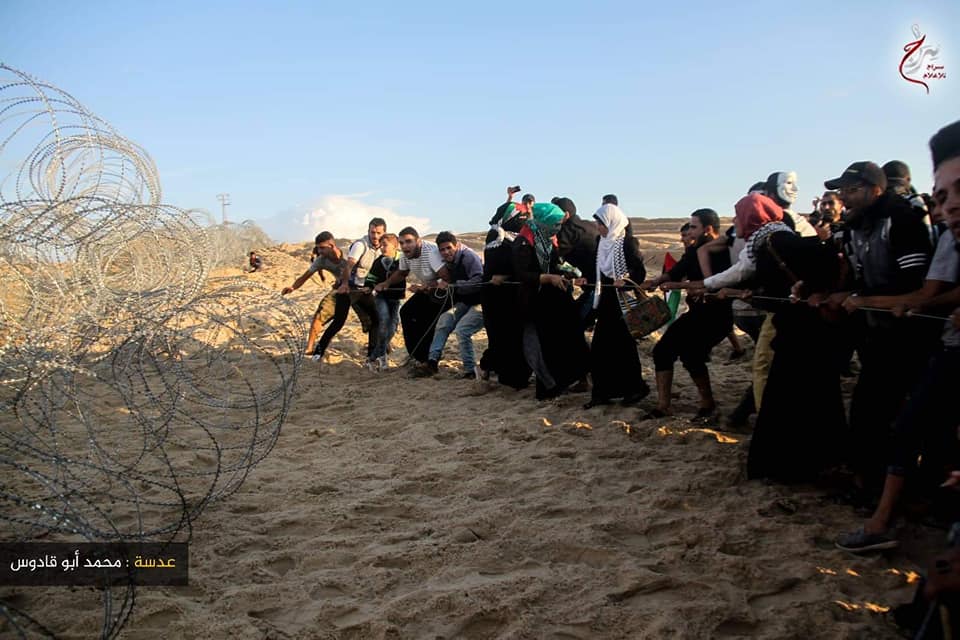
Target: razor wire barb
column 135, row 388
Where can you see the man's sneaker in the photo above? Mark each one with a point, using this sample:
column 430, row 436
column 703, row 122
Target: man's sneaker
column 424, row 369
column 860, row 541
column 316, row 357
column 382, row 364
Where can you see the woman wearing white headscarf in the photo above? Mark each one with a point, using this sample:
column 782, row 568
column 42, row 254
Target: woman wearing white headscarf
column 614, row 363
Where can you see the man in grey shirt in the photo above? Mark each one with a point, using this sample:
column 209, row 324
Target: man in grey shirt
column 330, row 259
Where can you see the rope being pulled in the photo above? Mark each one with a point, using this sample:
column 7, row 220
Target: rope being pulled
column 709, row 294
column 793, row 300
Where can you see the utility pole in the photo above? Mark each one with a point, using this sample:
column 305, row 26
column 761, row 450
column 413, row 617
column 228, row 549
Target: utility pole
column 224, row 199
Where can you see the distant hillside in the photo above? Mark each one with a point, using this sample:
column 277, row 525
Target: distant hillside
column 657, row 236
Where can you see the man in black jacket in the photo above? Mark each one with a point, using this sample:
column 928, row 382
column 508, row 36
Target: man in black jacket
column 889, row 250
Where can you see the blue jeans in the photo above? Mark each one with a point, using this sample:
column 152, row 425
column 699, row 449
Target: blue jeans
column 388, row 312
column 464, row 321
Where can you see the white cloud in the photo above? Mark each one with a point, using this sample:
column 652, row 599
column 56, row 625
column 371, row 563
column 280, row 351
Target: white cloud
column 346, row 216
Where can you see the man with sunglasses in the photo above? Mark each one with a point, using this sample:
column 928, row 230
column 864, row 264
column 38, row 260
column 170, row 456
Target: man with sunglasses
column 889, row 250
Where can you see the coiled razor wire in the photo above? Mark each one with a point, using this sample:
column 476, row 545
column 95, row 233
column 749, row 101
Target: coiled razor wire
column 135, row 389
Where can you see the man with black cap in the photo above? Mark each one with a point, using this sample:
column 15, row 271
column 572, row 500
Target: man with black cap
column 927, row 425
column 889, row 249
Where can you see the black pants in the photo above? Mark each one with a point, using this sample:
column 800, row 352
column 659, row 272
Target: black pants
column 340, row 312
column 928, row 423
column 891, row 362
column 691, row 338
column 750, row 325
column 418, row 318
column 342, row 304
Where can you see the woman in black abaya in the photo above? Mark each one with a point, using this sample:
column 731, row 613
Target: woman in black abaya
column 800, row 427
column 504, row 353
column 614, row 363
column 553, row 342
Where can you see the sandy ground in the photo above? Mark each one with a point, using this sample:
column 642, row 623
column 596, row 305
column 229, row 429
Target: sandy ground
column 395, row 507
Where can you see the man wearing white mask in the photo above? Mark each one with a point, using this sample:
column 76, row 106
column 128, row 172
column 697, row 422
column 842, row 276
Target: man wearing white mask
column 782, row 188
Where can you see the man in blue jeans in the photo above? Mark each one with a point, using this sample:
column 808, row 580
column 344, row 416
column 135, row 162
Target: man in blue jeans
column 464, row 318
column 387, row 301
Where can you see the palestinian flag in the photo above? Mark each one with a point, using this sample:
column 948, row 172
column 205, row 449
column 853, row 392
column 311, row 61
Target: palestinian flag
column 672, row 297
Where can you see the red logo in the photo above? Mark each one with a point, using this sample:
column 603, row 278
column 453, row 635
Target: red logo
column 919, row 63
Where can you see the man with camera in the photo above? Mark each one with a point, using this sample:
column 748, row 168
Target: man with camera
column 510, row 215
column 827, row 217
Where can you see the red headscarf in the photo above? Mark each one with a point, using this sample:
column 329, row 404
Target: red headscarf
column 754, row 211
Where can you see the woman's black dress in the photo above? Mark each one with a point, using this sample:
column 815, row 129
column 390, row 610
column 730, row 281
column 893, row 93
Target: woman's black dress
column 504, row 353
column 553, row 314
column 614, row 362
column 800, row 427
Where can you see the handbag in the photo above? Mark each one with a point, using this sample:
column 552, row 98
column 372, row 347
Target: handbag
column 643, row 314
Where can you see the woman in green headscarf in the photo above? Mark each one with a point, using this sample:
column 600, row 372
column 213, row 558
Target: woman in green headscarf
column 553, row 342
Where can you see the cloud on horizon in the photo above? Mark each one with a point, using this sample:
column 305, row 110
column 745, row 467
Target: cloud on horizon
column 346, row 216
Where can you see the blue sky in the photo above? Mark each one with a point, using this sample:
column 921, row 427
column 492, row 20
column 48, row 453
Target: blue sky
column 319, row 114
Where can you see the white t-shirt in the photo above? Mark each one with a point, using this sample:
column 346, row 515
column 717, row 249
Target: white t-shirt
column 943, row 268
column 364, row 254
column 424, row 268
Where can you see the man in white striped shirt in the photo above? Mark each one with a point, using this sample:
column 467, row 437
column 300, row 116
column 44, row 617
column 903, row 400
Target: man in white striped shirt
column 422, row 263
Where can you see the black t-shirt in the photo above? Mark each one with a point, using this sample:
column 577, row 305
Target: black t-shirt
column 379, row 271
column 688, row 267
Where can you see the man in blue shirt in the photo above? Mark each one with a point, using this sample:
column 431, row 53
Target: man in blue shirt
column 464, row 318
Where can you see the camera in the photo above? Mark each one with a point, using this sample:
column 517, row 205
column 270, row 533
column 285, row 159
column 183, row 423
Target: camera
column 515, row 189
